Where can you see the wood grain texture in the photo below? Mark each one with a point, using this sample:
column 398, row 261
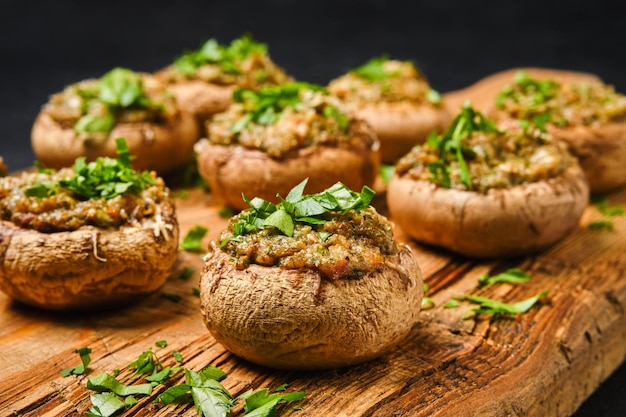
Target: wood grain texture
column 542, row 363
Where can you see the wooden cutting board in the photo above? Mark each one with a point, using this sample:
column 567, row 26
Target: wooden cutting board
column 542, row 363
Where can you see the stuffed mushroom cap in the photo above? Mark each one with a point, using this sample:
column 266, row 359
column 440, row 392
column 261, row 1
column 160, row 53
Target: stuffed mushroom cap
column 269, row 140
column 70, row 239
column 589, row 116
column 203, row 80
column 86, row 117
column 332, row 290
column 485, row 192
column 395, row 98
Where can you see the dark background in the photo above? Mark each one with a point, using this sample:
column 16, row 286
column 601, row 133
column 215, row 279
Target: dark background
column 46, row 45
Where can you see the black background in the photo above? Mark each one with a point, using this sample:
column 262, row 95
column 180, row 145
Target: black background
column 46, row 45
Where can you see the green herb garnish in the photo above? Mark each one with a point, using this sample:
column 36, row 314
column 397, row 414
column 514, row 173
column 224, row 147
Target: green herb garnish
column 601, row 225
column 373, row 70
column 118, row 89
column 85, row 360
column 451, row 147
column 497, row 308
column 161, row 343
column 106, row 404
column 103, row 178
column 175, row 298
column 607, row 209
column 299, row 208
column 427, row 302
column 105, row 382
column 451, row 304
column 512, row 276
column 265, row 106
column 386, row 172
column 228, row 58
column 192, row 241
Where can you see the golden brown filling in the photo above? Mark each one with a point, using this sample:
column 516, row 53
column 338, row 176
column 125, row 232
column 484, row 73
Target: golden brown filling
column 485, row 157
column 345, row 246
column 62, row 210
column 382, row 80
column 93, row 107
column 561, row 104
column 277, row 120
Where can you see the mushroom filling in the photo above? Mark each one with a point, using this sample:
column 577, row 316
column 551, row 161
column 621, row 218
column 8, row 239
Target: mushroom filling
column 474, row 155
column 62, row 210
column 346, row 246
column 244, row 63
column 563, row 104
column 383, row 80
column 277, row 120
column 93, row 107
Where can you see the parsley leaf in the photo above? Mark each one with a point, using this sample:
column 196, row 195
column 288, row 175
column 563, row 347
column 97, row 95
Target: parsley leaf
column 512, row 276
column 228, row 58
column 265, row 106
column 601, row 225
column 106, row 178
column 451, row 147
column 105, row 382
column 373, row 70
column 261, row 404
column 192, row 242
column 106, row 404
column 79, row 369
column 299, row 208
column 489, row 306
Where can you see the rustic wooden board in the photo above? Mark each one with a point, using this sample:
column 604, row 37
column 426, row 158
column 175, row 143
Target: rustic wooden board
column 545, row 362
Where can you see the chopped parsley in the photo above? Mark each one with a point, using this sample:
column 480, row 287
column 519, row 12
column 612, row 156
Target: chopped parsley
column 511, row 276
column 450, row 145
column 427, row 302
column 374, row 70
column 299, row 208
column 192, row 242
column 228, row 58
column 85, row 360
column 497, row 308
column 117, row 90
column 264, row 106
column 103, row 178
column 601, row 225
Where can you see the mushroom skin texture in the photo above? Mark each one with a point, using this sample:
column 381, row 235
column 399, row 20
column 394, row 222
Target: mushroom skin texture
column 162, row 147
column 88, row 268
column 599, row 146
column 499, row 223
column 294, row 319
column 233, row 170
column 393, row 97
column 202, row 99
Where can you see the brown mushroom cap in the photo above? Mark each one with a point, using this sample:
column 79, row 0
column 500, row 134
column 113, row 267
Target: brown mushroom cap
column 293, row 319
column 401, row 125
column 503, row 222
column 90, row 267
column 202, row 99
column 162, row 147
column 601, row 152
column 232, row 170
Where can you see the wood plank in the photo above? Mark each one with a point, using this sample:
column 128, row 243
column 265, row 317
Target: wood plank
column 544, row 362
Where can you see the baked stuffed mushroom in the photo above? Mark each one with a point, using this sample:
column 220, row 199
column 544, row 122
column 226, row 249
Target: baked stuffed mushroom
column 269, row 140
column 395, row 98
column 316, row 281
column 589, row 115
column 204, row 80
column 95, row 235
column 86, row 118
column 485, row 192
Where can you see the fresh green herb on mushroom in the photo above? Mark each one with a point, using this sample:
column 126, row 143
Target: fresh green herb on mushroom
column 451, row 147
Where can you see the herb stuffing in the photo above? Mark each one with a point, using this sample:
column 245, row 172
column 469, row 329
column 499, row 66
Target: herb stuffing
column 106, row 193
column 335, row 232
column 280, row 119
column 540, row 102
column 244, row 62
column 473, row 154
column 384, row 80
column 93, row 107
